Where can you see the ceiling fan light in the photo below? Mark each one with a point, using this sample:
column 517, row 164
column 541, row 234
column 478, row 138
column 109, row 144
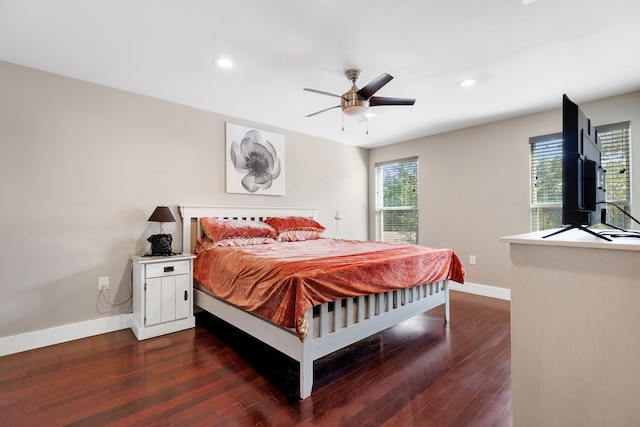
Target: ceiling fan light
column 353, row 105
column 355, row 110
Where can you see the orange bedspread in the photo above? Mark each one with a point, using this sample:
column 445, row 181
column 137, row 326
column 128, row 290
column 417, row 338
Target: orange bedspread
column 281, row 281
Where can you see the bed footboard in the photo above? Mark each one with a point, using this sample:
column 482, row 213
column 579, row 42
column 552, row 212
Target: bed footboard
column 350, row 320
column 366, row 315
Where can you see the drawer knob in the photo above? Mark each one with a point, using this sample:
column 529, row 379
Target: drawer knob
column 186, row 295
column 168, row 269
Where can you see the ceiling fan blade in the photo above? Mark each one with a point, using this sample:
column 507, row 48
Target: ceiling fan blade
column 322, row 92
column 381, row 100
column 368, row 91
column 322, row 111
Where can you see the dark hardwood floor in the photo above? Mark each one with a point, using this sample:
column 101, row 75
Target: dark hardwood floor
column 418, row 373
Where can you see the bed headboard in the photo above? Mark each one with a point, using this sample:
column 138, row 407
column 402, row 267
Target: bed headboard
column 191, row 214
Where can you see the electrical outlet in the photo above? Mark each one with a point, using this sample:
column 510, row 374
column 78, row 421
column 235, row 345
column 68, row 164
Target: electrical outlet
column 103, row 283
column 472, row 259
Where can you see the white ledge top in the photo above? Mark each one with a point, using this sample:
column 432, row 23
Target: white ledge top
column 574, row 238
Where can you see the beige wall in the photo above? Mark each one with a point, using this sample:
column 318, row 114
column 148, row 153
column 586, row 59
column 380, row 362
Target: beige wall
column 474, row 182
column 82, row 168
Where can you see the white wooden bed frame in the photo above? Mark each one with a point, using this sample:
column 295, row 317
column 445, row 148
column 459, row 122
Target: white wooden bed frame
column 361, row 317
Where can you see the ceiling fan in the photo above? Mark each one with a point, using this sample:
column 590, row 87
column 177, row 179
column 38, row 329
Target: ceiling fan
column 356, row 102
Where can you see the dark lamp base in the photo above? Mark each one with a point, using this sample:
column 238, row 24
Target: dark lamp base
column 160, row 244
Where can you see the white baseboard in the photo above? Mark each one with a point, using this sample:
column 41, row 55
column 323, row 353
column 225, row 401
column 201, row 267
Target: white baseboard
column 483, row 290
column 64, row 333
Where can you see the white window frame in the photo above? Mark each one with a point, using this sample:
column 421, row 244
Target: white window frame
column 401, row 235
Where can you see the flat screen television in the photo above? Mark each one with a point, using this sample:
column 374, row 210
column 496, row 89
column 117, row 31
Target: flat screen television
column 583, row 177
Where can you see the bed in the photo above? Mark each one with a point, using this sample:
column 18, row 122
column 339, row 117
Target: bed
column 307, row 310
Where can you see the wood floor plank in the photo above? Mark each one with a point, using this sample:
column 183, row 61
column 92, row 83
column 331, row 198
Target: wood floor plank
column 421, row 372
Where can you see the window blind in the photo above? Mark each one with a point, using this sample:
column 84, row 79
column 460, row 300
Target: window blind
column 616, row 139
column 546, row 181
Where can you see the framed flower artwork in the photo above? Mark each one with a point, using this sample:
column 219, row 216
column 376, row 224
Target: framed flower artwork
column 255, row 161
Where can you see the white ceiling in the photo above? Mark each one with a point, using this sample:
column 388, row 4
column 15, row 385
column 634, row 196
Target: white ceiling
column 525, row 56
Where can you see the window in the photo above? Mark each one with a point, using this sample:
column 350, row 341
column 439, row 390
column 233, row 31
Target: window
column 546, row 181
column 546, row 176
column 397, row 201
column 615, row 160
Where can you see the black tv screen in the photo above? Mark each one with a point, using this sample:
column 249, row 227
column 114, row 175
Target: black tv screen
column 583, row 178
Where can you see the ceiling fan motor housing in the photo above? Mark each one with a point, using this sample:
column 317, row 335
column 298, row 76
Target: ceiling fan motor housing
column 353, row 104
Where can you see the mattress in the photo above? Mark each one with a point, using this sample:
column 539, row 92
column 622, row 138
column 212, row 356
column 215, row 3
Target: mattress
column 282, row 281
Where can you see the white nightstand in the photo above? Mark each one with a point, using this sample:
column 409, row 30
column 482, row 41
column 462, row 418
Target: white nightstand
column 162, row 295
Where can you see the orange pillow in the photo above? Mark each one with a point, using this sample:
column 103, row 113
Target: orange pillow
column 217, row 229
column 295, row 228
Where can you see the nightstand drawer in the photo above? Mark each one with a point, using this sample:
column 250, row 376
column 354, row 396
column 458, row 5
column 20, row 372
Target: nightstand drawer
column 167, row 269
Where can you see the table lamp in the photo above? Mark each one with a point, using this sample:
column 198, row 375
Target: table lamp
column 161, row 243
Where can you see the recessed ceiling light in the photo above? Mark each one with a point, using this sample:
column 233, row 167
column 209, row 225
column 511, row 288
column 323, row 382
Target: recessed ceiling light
column 223, row 62
column 467, row 82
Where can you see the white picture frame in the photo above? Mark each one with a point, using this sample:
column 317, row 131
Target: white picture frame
column 254, row 161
